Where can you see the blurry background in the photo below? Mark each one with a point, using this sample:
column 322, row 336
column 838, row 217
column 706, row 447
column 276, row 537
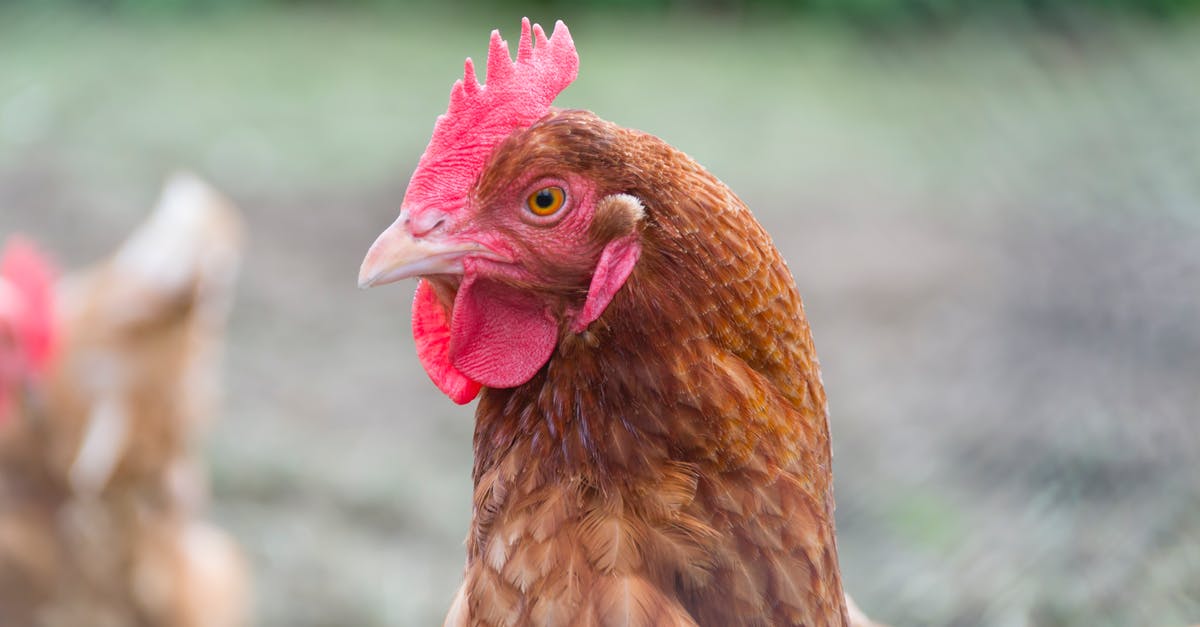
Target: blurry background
column 992, row 210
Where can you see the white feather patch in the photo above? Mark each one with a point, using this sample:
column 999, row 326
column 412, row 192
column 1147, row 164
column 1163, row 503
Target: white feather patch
column 163, row 251
column 103, row 443
column 628, row 204
column 190, row 241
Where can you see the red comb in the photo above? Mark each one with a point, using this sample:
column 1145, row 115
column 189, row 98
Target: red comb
column 516, row 94
column 28, row 307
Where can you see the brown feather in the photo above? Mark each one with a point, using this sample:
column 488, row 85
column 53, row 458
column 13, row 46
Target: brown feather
column 631, row 601
column 672, row 461
column 611, row 544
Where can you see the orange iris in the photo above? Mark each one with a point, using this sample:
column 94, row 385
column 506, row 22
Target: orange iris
column 546, row 201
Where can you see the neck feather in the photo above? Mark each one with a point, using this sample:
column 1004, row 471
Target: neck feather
column 703, row 357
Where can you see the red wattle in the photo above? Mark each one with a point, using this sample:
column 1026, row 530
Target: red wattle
column 431, row 331
column 500, row 336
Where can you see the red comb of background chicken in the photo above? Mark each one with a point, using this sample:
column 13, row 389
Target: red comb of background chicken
column 27, row 338
column 515, row 95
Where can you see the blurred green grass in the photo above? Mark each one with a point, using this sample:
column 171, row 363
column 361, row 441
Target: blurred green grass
column 273, row 100
column 994, row 223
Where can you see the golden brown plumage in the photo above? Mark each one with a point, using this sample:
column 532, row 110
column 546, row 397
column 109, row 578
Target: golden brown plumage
column 670, row 465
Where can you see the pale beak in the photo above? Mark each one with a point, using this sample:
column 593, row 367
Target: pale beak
column 397, row 255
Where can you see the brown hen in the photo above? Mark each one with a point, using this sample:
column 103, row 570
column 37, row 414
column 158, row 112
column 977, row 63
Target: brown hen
column 651, row 441
column 101, row 489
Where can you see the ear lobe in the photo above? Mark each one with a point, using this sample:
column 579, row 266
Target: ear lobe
column 615, row 265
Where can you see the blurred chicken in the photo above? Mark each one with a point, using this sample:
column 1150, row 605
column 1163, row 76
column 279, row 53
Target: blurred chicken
column 101, row 489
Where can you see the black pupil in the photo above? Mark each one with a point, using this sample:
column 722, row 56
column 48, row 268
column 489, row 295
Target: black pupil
column 544, row 199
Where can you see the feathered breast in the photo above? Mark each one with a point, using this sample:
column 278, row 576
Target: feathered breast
column 672, row 461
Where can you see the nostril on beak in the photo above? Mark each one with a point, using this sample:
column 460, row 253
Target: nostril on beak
column 425, row 223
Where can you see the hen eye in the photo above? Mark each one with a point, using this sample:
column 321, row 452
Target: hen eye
column 546, row 201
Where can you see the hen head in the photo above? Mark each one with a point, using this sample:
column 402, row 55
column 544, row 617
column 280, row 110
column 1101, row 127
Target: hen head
column 27, row 325
column 510, row 220
column 142, row 332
